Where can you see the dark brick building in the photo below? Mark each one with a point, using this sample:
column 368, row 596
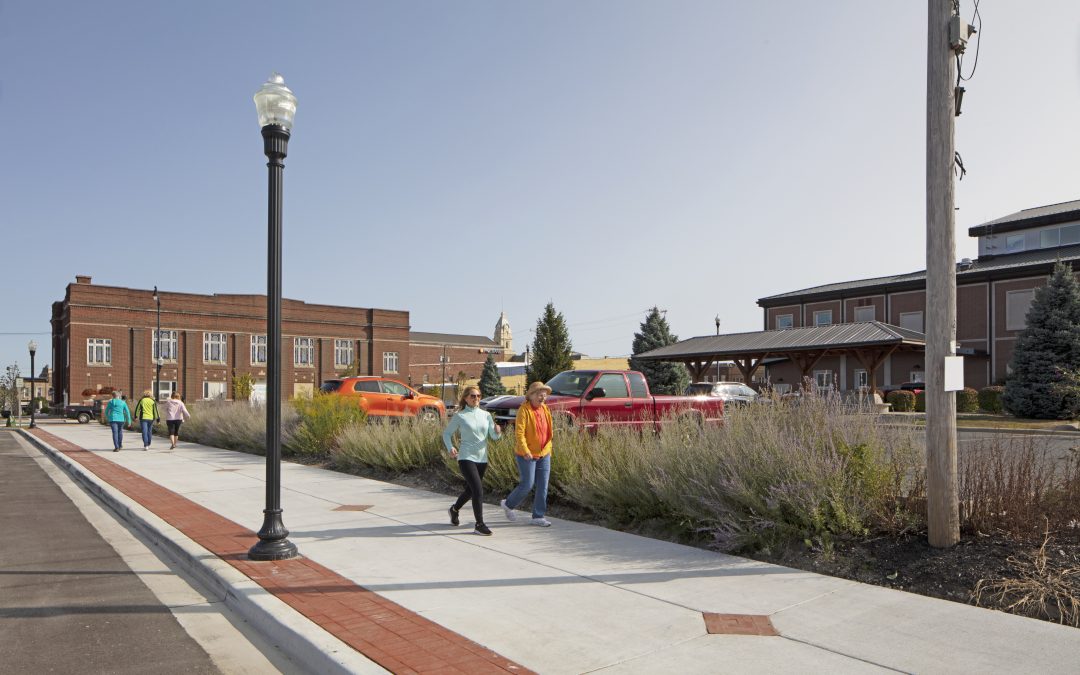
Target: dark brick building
column 103, row 337
column 993, row 294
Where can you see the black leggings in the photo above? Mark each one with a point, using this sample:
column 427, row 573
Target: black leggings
column 473, row 473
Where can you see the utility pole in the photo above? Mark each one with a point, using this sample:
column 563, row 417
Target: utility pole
column 943, row 518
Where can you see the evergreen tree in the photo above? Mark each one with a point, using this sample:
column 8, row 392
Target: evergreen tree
column 1046, row 360
column 663, row 377
column 490, row 382
column 551, row 350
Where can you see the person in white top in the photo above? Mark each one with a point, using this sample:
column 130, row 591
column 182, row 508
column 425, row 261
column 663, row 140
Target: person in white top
column 175, row 413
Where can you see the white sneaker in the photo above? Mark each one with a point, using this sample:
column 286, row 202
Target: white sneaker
column 541, row 522
column 509, row 512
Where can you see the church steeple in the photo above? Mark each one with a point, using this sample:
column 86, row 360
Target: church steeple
column 503, row 335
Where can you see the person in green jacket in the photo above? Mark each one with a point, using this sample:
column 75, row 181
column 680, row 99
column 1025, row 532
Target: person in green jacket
column 473, row 426
column 146, row 411
column 118, row 416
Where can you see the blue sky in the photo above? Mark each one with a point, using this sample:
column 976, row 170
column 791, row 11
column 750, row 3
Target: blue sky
column 455, row 159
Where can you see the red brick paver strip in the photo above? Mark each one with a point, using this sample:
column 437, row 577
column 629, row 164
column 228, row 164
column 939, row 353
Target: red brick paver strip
column 738, row 624
column 385, row 632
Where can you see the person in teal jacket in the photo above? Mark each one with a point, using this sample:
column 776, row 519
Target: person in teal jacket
column 118, row 416
column 473, row 427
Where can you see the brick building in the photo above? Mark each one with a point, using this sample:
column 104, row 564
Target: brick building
column 103, row 337
column 460, row 353
column 993, row 294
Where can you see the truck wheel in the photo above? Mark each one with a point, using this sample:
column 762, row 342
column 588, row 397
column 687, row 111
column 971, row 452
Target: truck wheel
column 84, row 418
column 429, row 415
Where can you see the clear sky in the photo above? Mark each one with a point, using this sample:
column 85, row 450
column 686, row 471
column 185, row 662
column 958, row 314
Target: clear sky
column 455, row 159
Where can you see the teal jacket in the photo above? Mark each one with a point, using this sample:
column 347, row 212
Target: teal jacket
column 117, row 411
column 474, row 426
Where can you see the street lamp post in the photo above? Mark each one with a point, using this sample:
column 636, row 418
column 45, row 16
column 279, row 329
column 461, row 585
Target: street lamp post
column 276, row 106
column 718, row 359
column 33, row 351
column 157, row 348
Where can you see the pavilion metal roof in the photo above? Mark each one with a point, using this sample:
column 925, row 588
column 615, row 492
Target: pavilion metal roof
column 835, row 336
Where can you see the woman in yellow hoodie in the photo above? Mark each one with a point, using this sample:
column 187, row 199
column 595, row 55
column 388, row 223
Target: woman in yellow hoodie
column 532, row 451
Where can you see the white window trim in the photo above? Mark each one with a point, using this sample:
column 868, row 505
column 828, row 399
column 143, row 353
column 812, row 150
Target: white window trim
column 922, row 324
column 304, row 352
column 206, row 393
column 390, row 362
column 822, row 312
column 166, row 390
column 171, row 343
column 105, row 347
column 790, row 318
column 343, row 353
column 259, row 344
column 865, row 376
column 209, row 341
column 829, row 378
column 873, row 313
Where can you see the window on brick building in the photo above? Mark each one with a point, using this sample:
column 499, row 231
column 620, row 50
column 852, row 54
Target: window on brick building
column 823, row 317
column 390, row 362
column 167, row 388
column 303, row 351
column 213, row 390
column 98, row 351
column 343, row 353
column 165, row 345
column 784, row 321
column 865, row 313
column 912, row 321
column 1017, row 304
column 213, row 347
column 258, row 349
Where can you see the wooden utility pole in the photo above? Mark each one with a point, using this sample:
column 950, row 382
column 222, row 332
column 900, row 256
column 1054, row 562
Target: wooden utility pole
column 943, row 518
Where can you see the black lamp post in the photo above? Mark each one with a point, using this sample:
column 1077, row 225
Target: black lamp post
column 157, row 348
column 33, row 351
column 276, row 106
column 718, row 360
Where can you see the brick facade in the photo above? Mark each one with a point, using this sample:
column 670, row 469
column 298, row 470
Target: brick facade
column 127, row 318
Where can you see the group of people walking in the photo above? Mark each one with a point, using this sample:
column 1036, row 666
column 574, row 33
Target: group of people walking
column 532, row 453
column 119, row 416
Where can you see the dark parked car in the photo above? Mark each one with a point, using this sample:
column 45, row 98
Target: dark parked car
column 83, row 413
column 732, row 393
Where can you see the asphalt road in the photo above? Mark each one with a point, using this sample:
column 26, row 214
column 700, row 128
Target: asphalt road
column 70, row 601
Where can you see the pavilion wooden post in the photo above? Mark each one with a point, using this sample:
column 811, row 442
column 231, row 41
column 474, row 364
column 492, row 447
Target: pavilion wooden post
column 747, row 365
column 943, row 519
column 871, row 360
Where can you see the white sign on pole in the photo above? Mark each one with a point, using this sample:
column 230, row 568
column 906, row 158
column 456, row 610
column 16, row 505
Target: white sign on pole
column 954, row 373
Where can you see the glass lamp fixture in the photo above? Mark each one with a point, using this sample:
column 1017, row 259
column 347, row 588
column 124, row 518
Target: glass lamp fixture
column 275, row 103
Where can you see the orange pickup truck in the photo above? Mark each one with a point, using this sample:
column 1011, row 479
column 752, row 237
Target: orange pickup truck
column 590, row 398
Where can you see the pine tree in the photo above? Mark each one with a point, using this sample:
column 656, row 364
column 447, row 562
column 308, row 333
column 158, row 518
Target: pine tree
column 1046, row 361
column 663, row 378
column 551, row 350
column 490, row 382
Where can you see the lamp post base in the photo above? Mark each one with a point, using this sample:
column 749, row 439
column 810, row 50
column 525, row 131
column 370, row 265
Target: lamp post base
column 273, row 544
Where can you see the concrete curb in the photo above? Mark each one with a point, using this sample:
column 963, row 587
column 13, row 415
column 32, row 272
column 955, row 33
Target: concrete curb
column 304, row 643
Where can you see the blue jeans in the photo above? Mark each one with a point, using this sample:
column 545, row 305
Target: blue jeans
column 147, row 431
column 534, row 473
column 117, row 434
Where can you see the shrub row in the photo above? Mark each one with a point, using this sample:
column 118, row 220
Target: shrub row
column 968, row 400
column 790, row 472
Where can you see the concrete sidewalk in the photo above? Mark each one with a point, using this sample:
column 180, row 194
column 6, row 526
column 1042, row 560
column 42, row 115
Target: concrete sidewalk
column 386, row 582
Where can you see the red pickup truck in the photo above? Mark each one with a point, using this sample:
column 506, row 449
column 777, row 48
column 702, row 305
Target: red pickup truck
column 590, row 398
